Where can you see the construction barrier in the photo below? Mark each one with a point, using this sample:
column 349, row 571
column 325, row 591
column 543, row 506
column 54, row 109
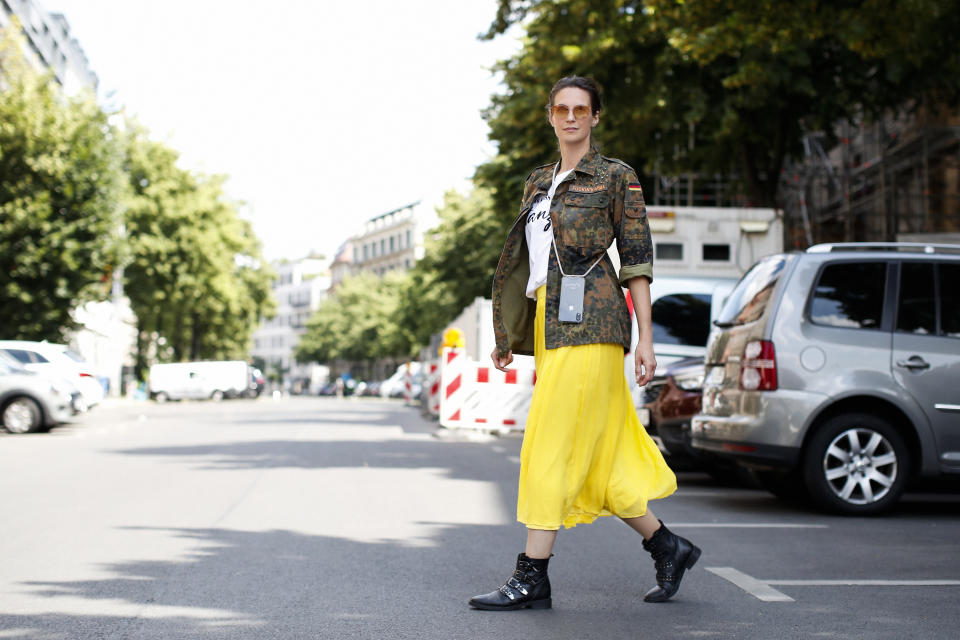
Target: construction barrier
column 475, row 396
column 431, row 388
column 408, row 384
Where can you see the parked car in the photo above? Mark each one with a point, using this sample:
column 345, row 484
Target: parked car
column 30, row 401
column 199, row 380
column 57, row 361
column 837, row 371
column 682, row 309
column 670, row 401
column 395, row 385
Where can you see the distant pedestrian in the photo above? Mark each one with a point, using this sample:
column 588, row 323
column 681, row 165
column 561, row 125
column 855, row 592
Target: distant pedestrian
column 556, row 295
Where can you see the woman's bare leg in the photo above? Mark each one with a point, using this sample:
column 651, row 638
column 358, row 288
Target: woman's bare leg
column 646, row 525
column 540, row 543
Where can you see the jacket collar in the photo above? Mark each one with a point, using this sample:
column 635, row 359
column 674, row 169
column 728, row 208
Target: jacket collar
column 589, row 164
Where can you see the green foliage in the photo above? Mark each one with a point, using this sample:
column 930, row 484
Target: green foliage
column 60, row 186
column 358, row 323
column 745, row 79
column 195, row 277
column 460, row 255
column 369, row 318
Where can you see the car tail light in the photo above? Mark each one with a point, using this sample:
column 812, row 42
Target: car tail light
column 86, row 375
column 758, row 368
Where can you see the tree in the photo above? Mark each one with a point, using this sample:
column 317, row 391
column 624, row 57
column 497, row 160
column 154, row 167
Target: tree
column 715, row 86
column 458, row 264
column 60, row 188
column 195, row 277
column 358, row 323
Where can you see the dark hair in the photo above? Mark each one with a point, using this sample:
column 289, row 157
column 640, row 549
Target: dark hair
column 579, row 82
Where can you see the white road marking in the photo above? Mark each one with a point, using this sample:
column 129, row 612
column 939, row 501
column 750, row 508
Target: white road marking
column 764, row 591
column 746, row 525
column 865, row 583
column 757, row 588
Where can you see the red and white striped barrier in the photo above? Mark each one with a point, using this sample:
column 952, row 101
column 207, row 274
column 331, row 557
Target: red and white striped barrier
column 408, row 384
column 432, row 388
column 475, row 396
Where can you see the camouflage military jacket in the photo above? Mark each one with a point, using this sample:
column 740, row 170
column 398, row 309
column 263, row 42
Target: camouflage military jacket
column 598, row 202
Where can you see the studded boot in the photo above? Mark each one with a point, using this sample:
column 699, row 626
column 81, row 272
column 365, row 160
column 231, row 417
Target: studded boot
column 672, row 555
column 527, row 588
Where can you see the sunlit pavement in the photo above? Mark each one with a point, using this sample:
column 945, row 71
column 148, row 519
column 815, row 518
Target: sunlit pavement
column 325, row 518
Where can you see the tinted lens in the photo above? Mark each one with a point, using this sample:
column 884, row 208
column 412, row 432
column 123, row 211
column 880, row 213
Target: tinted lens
column 579, row 111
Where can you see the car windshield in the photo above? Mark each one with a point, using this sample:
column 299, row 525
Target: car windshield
column 749, row 298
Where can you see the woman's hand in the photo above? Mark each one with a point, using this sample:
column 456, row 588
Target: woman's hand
column 646, row 362
column 501, row 363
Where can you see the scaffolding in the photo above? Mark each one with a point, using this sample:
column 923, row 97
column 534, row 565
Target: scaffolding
column 885, row 180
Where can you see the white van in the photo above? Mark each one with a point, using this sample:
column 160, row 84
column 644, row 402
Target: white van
column 199, row 380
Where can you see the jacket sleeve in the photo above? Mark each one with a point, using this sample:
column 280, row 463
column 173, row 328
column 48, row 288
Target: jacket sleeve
column 632, row 230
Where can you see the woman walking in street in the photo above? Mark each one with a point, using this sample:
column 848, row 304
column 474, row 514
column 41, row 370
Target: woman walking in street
column 556, row 295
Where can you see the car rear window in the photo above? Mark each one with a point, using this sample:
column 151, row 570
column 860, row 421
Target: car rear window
column 681, row 318
column 749, row 298
column 850, row 294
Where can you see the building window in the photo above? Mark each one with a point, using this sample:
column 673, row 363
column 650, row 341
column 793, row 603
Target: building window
column 383, row 246
column 669, row 251
column 365, row 256
column 392, row 248
column 716, row 253
column 408, row 238
column 407, row 263
column 355, row 256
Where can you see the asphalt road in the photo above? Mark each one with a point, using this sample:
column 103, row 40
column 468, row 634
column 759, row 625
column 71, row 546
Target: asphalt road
column 319, row 518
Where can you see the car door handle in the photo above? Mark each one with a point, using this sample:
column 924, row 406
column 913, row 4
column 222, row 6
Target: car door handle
column 915, row 362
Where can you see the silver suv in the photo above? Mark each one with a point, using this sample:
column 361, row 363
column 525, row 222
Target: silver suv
column 837, row 371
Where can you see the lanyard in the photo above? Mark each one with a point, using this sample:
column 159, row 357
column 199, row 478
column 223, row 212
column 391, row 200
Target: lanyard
column 553, row 243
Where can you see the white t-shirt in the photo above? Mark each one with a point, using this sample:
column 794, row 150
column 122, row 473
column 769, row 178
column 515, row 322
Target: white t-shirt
column 539, row 234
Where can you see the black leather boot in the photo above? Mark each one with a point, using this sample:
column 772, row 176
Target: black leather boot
column 527, row 588
column 672, row 555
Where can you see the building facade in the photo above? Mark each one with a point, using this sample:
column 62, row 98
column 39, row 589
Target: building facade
column 50, row 44
column 300, row 288
column 391, row 241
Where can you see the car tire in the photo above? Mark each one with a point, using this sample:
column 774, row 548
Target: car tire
column 856, row 464
column 22, row 415
column 217, row 395
column 161, row 397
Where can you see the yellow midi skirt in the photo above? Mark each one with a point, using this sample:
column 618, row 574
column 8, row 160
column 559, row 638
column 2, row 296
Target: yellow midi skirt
column 585, row 453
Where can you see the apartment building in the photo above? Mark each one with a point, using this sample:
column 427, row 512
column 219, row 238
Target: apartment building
column 50, row 45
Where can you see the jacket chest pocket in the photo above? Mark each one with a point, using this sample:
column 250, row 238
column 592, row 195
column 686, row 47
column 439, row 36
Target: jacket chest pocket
column 585, row 224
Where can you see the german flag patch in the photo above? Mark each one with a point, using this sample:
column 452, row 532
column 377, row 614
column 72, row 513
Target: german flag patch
column 634, row 186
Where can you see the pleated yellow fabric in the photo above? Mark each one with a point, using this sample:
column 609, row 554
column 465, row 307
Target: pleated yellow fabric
column 585, row 453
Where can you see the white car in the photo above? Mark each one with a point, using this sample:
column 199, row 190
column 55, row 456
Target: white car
column 57, row 361
column 30, row 401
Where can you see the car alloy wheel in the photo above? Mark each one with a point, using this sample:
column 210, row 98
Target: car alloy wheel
column 856, row 464
column 860, row 466
column 21, row 415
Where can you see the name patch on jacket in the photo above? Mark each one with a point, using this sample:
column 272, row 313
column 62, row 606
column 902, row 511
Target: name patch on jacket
column 587, row 188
